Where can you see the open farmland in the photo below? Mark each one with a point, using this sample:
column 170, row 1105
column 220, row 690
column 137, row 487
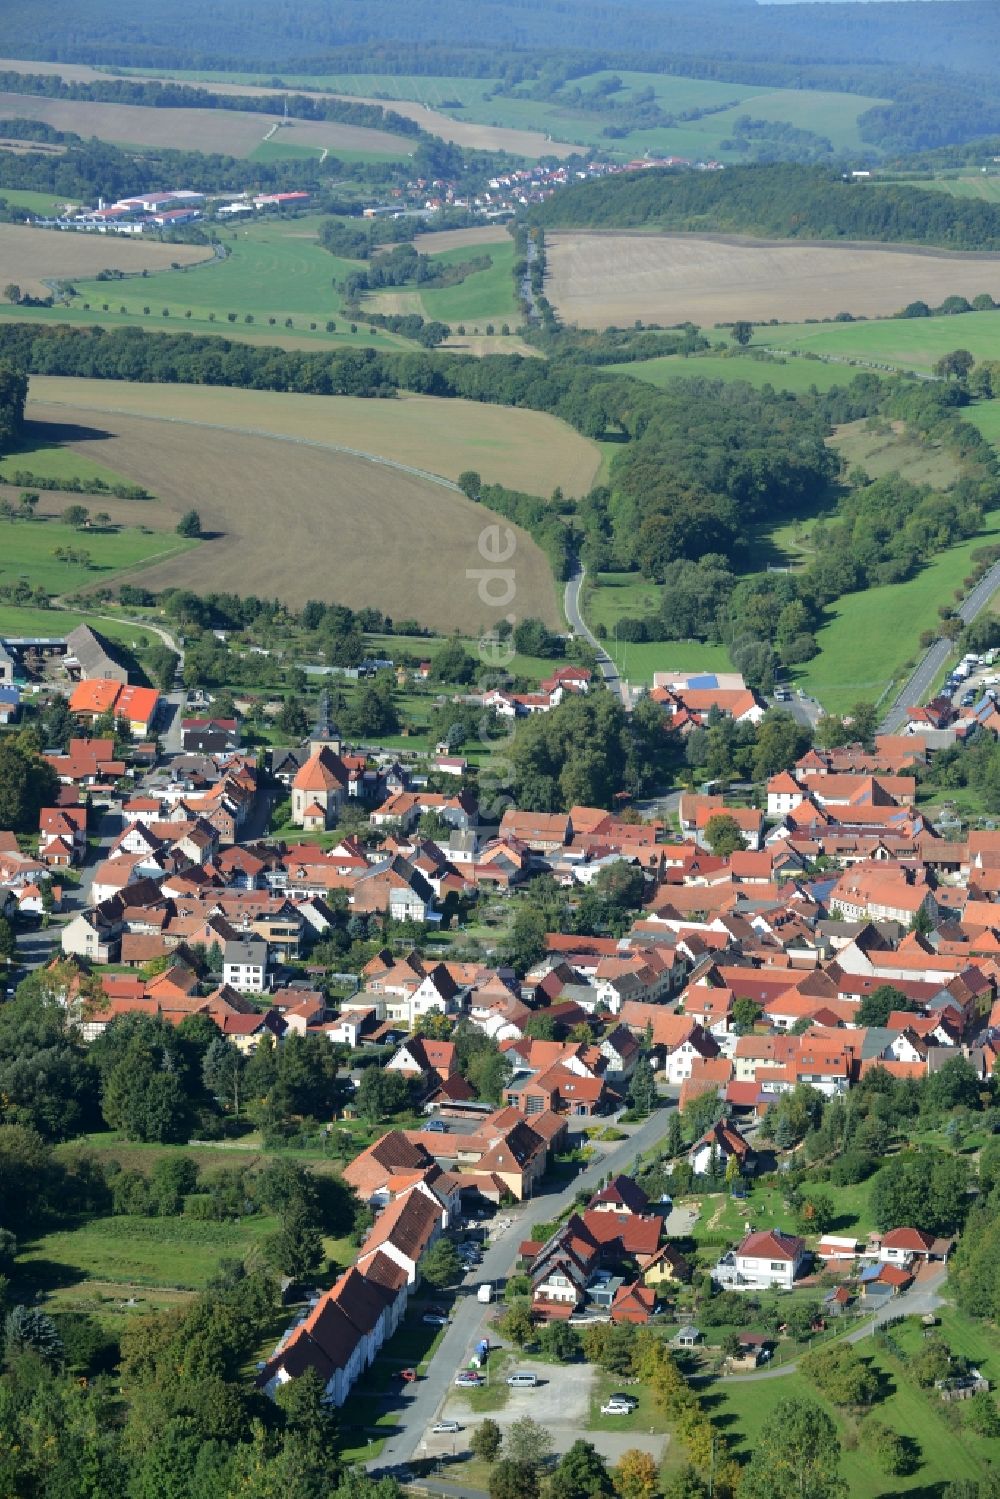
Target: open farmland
column 526, row 450
column 795, row 374
column 297, row 518
column 30, row 257
column 229, row 131
column 598, row 280
column 483, row 297
column 910, row 343
column 473, row 133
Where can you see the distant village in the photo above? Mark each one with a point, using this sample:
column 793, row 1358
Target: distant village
column 177, row 208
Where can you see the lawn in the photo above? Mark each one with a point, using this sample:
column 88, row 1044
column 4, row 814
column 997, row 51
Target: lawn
column 741, row 1408
column 646, row 1418
column 27, row 550
column 911, row 343
column 796, row 374
column 858, row 656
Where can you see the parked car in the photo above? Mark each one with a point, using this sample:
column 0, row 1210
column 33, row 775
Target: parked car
column 445, row 1428
column 434, row 1319
column 469, row 1377
column 617, row 1408
column 522, row 1380
column 619, row 1397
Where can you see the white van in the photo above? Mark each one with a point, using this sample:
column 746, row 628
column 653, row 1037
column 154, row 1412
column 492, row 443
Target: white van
column 522, row 1381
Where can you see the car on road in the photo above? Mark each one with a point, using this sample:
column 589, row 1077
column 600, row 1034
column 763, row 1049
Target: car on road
column 468, row 1377
column 445, row 1428
column 434, row 1319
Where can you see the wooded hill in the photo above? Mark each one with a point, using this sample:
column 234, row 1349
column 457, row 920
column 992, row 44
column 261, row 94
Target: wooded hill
column 783, row 201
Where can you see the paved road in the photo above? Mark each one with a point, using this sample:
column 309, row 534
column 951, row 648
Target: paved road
column 36, row 946
column 917, row 688
column 419, row 1405
column 922, row 1298
column 579, row 626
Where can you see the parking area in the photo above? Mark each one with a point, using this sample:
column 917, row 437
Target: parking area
column 560, row 1402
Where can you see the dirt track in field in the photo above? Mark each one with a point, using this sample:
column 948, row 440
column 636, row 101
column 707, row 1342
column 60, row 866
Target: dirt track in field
column 28, row 256
column 298, row 521
column 596, row 280
column 231, row 132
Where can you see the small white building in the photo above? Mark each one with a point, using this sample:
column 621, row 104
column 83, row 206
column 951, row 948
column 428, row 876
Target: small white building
column 766, row 1260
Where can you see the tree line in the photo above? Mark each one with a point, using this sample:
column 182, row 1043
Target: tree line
column 13, row 394
column 785, row 201
column 150, row 93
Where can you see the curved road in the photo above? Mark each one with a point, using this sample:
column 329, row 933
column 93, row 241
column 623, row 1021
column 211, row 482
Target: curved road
column 921, row 1299
column 577, row 623
column 917, row 687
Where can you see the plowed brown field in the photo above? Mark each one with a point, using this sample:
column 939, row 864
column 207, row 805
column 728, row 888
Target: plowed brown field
column 295, row 519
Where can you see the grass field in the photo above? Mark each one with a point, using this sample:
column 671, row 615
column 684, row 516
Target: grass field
column 43, row 452
column 27, row 551
column 622, row 594
column 985, row 416
column 793, row 374
column 880, row 453
column 30, row 257
column 275, row 268
column 858, row 655
column 484, row 297
column 743, row 1406
column 44, row 203
column 984, row 186
column 295, row 518
column 910, row 343
column 601, row 279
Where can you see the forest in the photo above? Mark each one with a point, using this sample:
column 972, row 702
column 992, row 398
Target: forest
column 13, row 394
column 786, row 201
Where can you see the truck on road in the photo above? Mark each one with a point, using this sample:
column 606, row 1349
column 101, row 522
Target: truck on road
column 485, row 1292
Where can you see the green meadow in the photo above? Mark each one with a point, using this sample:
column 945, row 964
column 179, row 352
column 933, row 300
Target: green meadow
column 946, row 1450
column 43, row 203
column 42, row 455
column 858, row 655
column 28, row 552
column 483, row 297
column 794, row 373
column 911, row 343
